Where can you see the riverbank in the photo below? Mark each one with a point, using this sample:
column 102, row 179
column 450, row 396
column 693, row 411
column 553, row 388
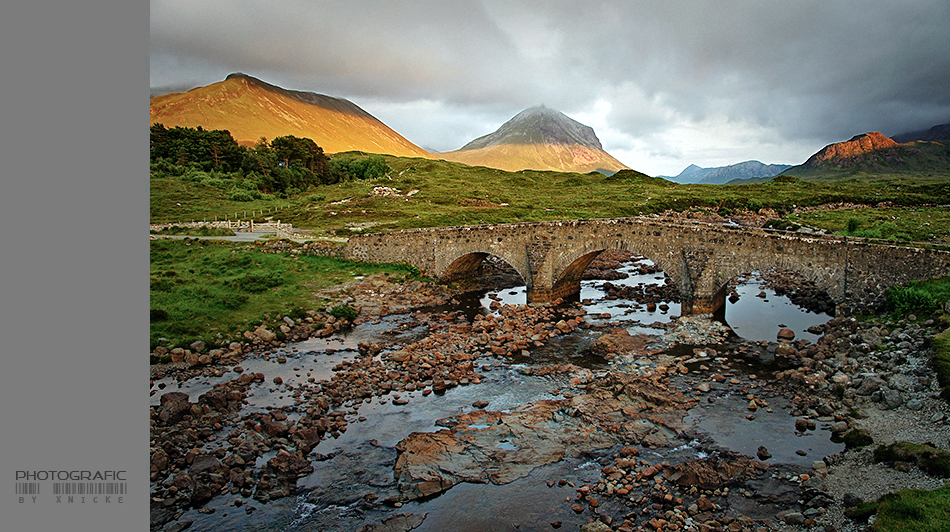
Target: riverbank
column 869, row 376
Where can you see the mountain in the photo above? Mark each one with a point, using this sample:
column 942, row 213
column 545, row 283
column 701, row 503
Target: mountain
column 874, row 153
column 939, row 132
column 250, row 109
column 538, row 138
column 721, row 175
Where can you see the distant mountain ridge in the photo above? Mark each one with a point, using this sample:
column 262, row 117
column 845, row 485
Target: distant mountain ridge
column 538, row 138
column 250, row 109
column 721, row 175
column 876, row 154
column 938, row 132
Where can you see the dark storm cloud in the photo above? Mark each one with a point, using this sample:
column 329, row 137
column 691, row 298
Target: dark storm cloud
column 655, row 79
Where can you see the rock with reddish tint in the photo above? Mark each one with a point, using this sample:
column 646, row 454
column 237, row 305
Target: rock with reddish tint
column 265, row 335
column 395, row 523
column 619, row 342
column 432, row 462
column 307, row 438
column 205, row 462
column 279, row 479
column 159, row 460
column 785, row 350
column 715, row 471
column 705, row 505
column 275, row 428
column 786, row 334
column 173, row 397
column 173, row 407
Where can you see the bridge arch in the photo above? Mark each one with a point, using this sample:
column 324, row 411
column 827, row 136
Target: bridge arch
column 463, row 261
column 700, row 259
column 568, row 269
column 828, row 277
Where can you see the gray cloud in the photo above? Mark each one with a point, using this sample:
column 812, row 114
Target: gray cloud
column 662, row 80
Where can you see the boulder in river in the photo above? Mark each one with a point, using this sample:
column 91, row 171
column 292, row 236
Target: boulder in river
column 619, row 342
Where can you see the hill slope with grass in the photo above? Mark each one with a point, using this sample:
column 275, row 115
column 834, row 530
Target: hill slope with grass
column 250, row 109
column 875, row 154
column 416, row 192
column 538, row 138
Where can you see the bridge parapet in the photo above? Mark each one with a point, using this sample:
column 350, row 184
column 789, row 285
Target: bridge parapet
column 699, row 258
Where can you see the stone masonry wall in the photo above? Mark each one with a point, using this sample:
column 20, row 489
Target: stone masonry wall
column 699, row 258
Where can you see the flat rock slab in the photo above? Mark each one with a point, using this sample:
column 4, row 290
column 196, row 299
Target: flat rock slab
column 496, row 447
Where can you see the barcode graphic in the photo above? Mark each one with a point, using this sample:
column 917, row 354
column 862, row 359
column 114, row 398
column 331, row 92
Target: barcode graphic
column 28, row 488
column 89, row 488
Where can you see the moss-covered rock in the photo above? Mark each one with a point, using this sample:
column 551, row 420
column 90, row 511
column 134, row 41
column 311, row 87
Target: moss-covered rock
column 853, row 439
column 927, row 457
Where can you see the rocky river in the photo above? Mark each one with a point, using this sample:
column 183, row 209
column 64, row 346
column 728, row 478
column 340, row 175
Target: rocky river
column 447, row 409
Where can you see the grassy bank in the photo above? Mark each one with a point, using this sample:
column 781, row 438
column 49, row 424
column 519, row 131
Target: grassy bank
column 908, row 511
column 914, row 223
column 202, row 230
column 212, row 290
column 922, row 299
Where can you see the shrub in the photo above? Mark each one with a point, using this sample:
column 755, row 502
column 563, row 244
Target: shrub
column 941, row 361
column 868, row 233
column 218, row 182
column 298, row 313
column 257, row 282
column 350, row 168
column 904, row 300
column 231, row 301
column 195, row 176
column 344, row 312
column 853, row 224
column 244, row 195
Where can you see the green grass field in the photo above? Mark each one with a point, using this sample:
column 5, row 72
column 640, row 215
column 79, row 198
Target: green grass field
column 212, row 290
column 435, row 193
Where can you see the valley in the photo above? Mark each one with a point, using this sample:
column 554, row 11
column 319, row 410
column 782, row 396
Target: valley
column 293, row 388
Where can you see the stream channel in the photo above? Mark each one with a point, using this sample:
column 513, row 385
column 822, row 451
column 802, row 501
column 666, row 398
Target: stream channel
column 360, row 460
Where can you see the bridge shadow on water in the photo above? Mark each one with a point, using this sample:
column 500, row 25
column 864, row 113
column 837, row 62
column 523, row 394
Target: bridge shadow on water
column 755, row 312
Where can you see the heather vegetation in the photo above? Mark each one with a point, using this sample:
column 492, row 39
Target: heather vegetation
column 360, row 190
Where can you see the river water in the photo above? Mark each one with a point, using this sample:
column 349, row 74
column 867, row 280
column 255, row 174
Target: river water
column 360, row 461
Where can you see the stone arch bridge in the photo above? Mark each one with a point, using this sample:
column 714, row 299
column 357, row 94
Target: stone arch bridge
column 699, row 258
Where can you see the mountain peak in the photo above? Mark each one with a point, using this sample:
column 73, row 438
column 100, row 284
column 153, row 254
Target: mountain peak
column 539, row 138
column 858, row 147
column 691, row 169
column 539, row 125
column 250, row 109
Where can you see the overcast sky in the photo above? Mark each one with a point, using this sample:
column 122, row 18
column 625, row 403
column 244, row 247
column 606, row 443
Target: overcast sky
column 664, row 84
